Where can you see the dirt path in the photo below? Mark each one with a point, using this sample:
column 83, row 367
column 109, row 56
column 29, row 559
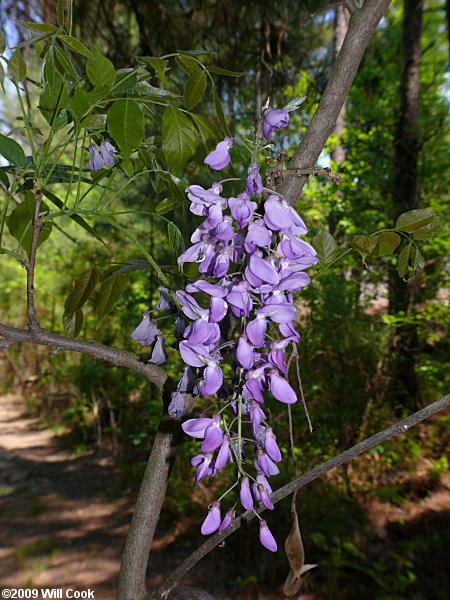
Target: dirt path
column 61, row 524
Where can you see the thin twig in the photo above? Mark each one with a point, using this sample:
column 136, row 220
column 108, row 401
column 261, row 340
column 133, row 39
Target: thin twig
column 318, row 12
column 300, row 387
column 401, row 427
column 33, row 323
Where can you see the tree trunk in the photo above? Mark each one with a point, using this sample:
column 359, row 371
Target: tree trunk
column 404, row 390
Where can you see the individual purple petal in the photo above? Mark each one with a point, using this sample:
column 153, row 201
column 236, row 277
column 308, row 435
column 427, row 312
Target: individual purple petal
column 195, row 355
column 276, row 215
column 273, row 469
column 146, row 331
column 191, row 254
column 244, row 353
column 281, row 389
column 197, row 460
column 190, row 306
column 224, row 231
column 218, row 309
column 256, row 329
column 196, row 427
column 224, row 452
column 274, row 119
column 213, row 435
column 291, row 247
column 227, row 519
column 255, row 416
column 262, row 269
column 213, row 519
column 289, row 332
column 242, row 209
column 239, row 297
column 277, row 358
column 261, row 462
column 265, row 497
column 159, row 354
column 260, row 479
column 213, row 379
column 212, row 289
column 258, row 236
column 270, row 445
column 279, row 313
column 245, row 494
column 177, row 405
column 266, row 538
column 254, row 182
column 293, row 282
column 220, row 157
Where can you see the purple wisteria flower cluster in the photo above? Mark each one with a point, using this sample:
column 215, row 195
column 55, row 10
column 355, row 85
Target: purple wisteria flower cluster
column 251, row 259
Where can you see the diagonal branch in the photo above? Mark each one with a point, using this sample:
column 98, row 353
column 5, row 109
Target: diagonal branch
column 361, row 27
column 399, row 427
column 119, row 358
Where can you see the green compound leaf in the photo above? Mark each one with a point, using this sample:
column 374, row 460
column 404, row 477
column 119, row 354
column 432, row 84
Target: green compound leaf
column 159, row 65
column 17, row 69
column 126, row 125
column 387, row 242
column 414, row 219
column 73, row 44
column 12, row 151
column 325, row 245
column 178, row 139
column 220, row 71
column 83, row 287
column 20, row 223
column 194, row 90
column 73, row 322
column 42, row 27
column 100, row 70
column 110, row 293
column 364, row 244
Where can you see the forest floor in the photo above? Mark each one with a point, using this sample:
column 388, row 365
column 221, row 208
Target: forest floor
column 63, row 519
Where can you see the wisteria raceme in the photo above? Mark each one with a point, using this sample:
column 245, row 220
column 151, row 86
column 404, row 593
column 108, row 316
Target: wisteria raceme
column 251, row 261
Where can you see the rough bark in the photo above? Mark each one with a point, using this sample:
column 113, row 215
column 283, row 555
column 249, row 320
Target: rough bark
column 362, row 26
column 405, row 191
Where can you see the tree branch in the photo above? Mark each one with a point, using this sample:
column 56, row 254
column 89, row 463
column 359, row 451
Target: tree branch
column 362, row 25
column 33, row 323
column 399, row 427
column 119, row 358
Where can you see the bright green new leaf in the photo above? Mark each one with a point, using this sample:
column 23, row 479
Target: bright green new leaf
column 12, row 151
column 414, row 219
column 42, row 27
column 73, row 44
column 405, row 260
column 126, row 125
column 65, row 63
column 187, row 64
column 194, row 89
column 17, row 69
column 110, row 293
column 325, row 245
column 434, row 227
column 20, row 223
column 100, row 70
column 178, row 139
column 387, row 242
column 83, row 287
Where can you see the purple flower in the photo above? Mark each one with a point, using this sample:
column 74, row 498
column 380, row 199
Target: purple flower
column 213, row 519
column 202, row 200
column 213, row 435
column 146, row 331
column 258, row 236
column 280, row 216
column 213, row 379
column 240, row 299
column 244, row 353
column 227, row 519
column 256, row 329
column 196, row 427
column 256, row 416
column 270, row 445
column 274, row 119
column 211, row 289
column 159, row 354
column 187, row 381
column 179, row 328
column 254, row 182
column 165, row 301
column 245, row 494
column 224, row 452
column 266, row 538
column 204, row 466
column 262, row 268
column 242, row 209
column 265, row 497
column 177, row 405
column 281, row 389
column 107, row 151
column 220, row 157
column 260, row 479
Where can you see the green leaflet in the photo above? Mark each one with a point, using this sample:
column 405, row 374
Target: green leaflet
column 126, row 125
column 178, row 139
